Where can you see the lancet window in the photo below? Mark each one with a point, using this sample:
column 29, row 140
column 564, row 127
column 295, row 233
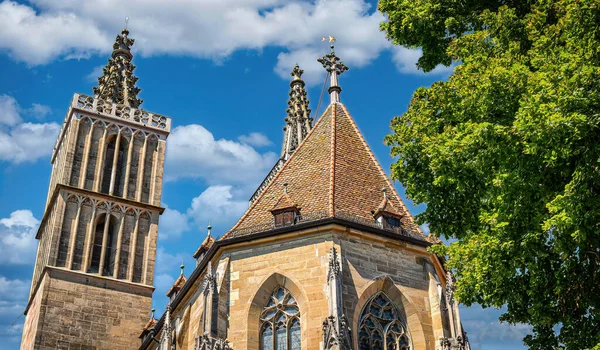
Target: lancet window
column 121, row 163
column 380, row 326
column 280, row 322
column 110, row 249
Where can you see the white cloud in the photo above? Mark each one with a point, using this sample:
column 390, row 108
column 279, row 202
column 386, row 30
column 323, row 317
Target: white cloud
column 406, row 62
column 172, row 224
column 92, row 77
column 24, row 142
column 193, row 152
column 255, row 139
column 482, row 326
column 425, row 228
column 17, row 238
column 38, row 38
column 28, row 142
column 75, row 29
column 39, row 111
column 219, row 205
column 9, row 111
column 13, row 289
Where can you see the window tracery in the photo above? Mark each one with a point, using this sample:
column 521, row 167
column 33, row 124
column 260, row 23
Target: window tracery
column 280, row 322
column 380, row 326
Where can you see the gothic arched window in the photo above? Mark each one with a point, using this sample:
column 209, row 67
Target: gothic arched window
column 280, row 322
column 380, row 326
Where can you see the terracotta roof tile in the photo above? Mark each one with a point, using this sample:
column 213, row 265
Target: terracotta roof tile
column 179, row 282
column 284, row 202
column 332, row 172
column 205, row 246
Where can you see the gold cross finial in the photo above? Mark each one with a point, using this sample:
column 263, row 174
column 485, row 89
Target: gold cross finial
column 331, row 39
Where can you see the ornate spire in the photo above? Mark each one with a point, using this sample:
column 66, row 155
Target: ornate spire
column 298, row 120
column 117, row 83
column 334, row 66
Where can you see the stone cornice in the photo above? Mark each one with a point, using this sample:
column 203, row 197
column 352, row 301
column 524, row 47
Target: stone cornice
column 94, row 194
column 107, row 282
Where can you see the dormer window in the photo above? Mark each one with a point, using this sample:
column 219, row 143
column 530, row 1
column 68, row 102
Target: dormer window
column 285, row 218
column 285, row 212
column 386, row 215
column 391, row 221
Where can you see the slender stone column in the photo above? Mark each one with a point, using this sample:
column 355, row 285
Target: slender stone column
column 133, row 246
column 119, row 239
column 86, row 156
column 74, row 228
column 128, row 169
column 71, row 144
column 89, row 239
column 104, row 241
column 145, row 254
column 99, row 161
column 138, row 194
column 153, row 173
column 115, row 162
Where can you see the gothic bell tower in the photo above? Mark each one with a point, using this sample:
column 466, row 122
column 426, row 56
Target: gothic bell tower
column 92, row 282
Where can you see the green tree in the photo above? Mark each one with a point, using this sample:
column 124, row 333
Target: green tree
column 506, row 155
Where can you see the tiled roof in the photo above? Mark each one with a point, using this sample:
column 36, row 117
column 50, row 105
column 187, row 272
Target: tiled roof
column 205, row 246
column 284, row 202
column 333, row 172
column 387, row 207
column 151, row 323
column 177, row 285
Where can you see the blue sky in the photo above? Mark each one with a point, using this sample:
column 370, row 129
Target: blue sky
column 220, row 70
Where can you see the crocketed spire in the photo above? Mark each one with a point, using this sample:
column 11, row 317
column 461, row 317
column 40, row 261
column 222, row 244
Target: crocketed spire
column 117, row 83
column 334, row 66
column 298, row 120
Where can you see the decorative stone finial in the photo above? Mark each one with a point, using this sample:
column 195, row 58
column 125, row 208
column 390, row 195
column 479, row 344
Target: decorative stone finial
column 285, row 185
column 117, row 83
column 298, row 120
column 182, row 267
column 209, row 227
column 152, row 313
column 384, row 190
column 334, row 66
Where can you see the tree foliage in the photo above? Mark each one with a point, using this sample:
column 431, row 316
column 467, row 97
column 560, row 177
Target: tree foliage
column 506, row 155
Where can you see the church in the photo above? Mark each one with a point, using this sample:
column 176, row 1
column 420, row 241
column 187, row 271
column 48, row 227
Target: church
column 326, row 256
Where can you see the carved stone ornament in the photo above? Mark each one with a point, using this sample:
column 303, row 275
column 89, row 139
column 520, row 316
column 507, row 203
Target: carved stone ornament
column 334, row 268
column 117, row 83
column 209, row 282
column 206, row 342
column 334, row 339
column 445, row 344
column 461, row 342
column 332, row 63
column 450, row 288
column 298, row 120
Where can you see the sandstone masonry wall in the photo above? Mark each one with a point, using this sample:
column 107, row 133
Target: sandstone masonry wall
column 78, row 312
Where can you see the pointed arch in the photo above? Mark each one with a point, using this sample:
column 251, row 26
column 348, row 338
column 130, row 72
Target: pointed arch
column 105, row 224
column 114, row 140
column 261, row 299
column 406, row 309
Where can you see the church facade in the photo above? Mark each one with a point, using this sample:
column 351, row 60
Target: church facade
column 327, row 256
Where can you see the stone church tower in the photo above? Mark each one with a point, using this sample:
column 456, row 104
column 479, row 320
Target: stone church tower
column 93, row 279
column 327, row 256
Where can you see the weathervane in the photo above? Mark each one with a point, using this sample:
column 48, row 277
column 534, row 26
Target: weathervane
column 334, row 66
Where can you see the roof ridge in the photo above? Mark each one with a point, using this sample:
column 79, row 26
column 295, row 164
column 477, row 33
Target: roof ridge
column 332, row 163
column 378, row 165
column 277, row 175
